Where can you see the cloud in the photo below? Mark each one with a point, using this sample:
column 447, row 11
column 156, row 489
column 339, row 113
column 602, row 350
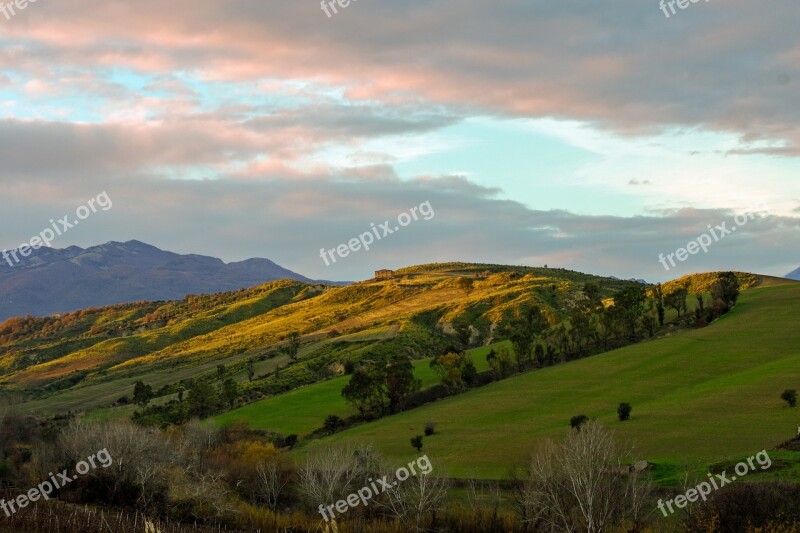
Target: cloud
column 289, row 221
column 727, row 66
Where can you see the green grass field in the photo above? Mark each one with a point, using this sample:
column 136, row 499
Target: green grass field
column 303, row 410
column 698, row 396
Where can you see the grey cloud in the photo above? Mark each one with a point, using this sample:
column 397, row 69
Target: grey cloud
column 290, row 221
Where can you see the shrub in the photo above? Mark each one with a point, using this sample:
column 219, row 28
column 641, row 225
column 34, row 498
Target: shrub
column 332, row 423
column 430, row 428
column 790, row 397
column 624, row 411
column 577, row 421
column 416, row 442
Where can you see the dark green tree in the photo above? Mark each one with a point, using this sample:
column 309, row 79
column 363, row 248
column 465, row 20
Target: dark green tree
column 333, row 423
column 577, row 421
column 592, row 292
column 400, row 382
column 629, row 308
column 624, row 411
column 202, row 399
column 416, row 442
column 230, row 391
column 677, row 299
column 142, row 394
column 366, row 390
column 292, row 346
column 251, row 370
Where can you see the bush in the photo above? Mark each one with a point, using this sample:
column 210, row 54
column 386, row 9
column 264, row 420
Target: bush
column 333, row 423
column 577, row 421
column 790, row 397
column 624, row 411
column 430, row 428
column 416, row 442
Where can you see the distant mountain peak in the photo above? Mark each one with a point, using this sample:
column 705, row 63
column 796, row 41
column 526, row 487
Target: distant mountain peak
column 795, row 274
column 57, row 280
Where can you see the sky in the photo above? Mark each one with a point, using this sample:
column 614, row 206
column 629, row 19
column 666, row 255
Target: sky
column 594, row 136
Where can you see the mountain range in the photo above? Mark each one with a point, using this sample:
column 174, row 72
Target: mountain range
column 795, row 274
column 53, row 280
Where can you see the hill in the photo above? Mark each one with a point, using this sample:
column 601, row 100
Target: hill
column 698, row 396
column 86, row 360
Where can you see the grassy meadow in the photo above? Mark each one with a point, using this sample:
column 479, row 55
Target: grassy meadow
column 699, row 396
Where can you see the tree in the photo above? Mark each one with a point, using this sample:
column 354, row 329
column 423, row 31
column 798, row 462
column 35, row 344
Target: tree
column 649, row 323
column 416, row 442
column 251, row 369
column 230, row 391
column 591, row 291
column 577, row 421
column 292, row 347
column 366, row 390
column 465, row 284
column 500, row 362
column 330, row 473
column 272, row 482
column 658, row 296
column 629, row 307
column 400, row 382
column 700, row 310
column 677, row 299
column 624, row 411
column 726, row 288
column 580, row 328
column 578, row 485
column 415, row 502
column 220, row 372
column 522, row 333
column 202, row 399
column 790, row 397
column 455, row 369
column 142, row 394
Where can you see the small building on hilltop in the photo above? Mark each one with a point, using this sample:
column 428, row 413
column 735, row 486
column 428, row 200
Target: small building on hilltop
column 384, row 274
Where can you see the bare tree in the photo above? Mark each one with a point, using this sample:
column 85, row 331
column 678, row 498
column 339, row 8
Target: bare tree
column 412, row 501
column 272, row 482
column 581, row 485
column 136, row 452
column 334, row 472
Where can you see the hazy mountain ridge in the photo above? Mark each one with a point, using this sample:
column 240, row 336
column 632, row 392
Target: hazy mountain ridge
column 61, row 280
